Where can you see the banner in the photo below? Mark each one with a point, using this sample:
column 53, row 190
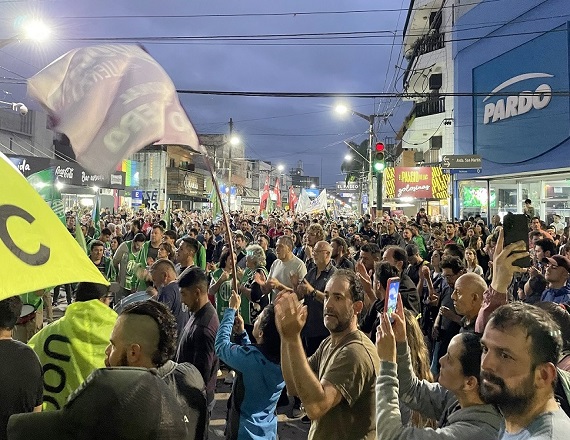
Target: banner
column 127, row 98
column 36, row 249
column 264, row 196
column 319, row 204
column 416, row 182
column 292, row 199
column 277, row 191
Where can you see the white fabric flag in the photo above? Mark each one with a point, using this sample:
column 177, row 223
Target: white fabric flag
column 111, row 101
column 303, row 203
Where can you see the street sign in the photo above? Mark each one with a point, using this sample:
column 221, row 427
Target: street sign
column 461, row 171
column 461, row 161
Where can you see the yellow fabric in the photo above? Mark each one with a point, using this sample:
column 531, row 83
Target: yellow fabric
column 36, row 249
column 71, row 348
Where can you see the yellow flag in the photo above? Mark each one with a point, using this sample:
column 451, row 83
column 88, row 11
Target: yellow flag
column 36, row 249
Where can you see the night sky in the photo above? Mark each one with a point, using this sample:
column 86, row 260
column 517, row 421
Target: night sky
column 281, row 130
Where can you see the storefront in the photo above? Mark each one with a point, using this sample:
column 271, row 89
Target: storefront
column 407, row 189
column 78, row 187
column 518, row 117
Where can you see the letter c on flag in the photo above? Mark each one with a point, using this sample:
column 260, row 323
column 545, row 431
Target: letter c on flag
column 37, row 259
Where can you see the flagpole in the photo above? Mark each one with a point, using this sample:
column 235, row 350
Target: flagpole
column 226, row 220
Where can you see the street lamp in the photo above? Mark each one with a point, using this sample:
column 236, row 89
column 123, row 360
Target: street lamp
column 348, row 157
column 343, row 109
column 17, row 107
column 33, row 30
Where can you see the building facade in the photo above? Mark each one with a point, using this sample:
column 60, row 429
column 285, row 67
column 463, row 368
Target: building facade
column 513, row 111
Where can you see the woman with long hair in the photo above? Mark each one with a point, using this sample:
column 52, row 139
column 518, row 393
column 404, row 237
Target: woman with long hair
column 471, row 263
column 259, row 380
column 421, row 366
column 209, row 244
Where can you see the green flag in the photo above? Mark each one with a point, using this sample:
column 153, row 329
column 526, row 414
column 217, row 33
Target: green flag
column 96, row 216
column 79, row 234
column 216, row 207
column 42, row 181
column 167, row 215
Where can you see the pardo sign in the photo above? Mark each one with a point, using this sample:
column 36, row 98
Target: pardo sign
column 517, row 104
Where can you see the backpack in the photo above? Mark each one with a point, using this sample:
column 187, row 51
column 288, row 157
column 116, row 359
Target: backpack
column 562, row 390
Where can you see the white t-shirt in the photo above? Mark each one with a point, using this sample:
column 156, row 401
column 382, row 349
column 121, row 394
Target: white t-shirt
column 282, row 272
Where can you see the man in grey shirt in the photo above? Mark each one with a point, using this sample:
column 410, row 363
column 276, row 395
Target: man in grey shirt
column 521, row 347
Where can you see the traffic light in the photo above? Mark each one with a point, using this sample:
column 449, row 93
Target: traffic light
column 378, row 163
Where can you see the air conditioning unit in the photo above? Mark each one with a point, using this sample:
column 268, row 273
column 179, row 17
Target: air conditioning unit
column 436, row 142
column 418, row 156
column 435, row 81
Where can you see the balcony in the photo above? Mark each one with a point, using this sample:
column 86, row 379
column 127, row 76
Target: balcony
column 432, row 106
column 426, row 44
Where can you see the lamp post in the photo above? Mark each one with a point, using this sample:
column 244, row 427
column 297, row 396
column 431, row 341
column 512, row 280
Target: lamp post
column 342, row 109
column 17, row 107
column 234, row 141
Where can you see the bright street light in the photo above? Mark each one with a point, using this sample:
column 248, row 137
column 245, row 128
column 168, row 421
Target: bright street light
column 348, row 157
column 234, row 140
column 280, row 168
column 36, row 30
column 341, row 109
column 313, row 186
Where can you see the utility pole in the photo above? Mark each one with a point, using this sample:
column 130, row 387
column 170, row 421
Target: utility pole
column 230, row 168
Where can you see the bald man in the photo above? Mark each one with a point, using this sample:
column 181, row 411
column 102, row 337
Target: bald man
column 144, row 336
column 467, row 298
column 164, row 278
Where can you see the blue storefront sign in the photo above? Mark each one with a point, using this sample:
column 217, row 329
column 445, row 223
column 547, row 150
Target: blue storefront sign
column 517, row 113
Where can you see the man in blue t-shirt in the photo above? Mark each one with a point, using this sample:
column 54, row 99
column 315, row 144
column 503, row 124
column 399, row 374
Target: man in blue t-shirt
column 163, row 275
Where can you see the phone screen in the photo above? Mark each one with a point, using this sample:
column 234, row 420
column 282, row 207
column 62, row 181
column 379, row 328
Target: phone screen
column 393, row 291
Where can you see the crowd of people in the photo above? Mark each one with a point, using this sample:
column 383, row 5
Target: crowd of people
column 478, row 347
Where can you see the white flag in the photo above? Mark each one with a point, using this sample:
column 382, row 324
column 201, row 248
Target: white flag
column 111, row 101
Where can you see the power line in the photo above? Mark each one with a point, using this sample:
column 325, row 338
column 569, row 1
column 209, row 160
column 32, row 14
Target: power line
column 260, row 14
column 352, row 94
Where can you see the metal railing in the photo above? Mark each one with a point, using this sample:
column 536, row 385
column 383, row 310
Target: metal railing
column 432, row 106
column 426, row 44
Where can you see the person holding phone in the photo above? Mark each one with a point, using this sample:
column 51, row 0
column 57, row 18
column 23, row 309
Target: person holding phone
column 455, row 402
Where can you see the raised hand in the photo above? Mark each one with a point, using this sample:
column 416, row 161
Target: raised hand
column 235, row 301
column 290, row 315
column 385, row 340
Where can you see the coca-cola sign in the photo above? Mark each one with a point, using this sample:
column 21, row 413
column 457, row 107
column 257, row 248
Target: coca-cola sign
column 65, row 173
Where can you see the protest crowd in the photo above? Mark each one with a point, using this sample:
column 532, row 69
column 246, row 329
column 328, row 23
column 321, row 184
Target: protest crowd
column 477, row 347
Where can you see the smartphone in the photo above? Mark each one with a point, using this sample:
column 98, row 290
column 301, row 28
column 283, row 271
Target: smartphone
column 515, row 227
column 391, row 301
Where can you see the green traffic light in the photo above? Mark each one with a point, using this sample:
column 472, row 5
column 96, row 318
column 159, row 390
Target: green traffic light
column 379, row 167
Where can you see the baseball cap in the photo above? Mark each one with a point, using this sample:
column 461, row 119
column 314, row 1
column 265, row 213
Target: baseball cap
column 559, row 260
column 120, row 403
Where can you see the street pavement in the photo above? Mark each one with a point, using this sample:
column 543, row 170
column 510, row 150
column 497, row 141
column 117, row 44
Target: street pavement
column 287, row 429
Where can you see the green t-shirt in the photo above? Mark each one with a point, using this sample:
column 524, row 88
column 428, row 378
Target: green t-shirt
column 223, row 294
